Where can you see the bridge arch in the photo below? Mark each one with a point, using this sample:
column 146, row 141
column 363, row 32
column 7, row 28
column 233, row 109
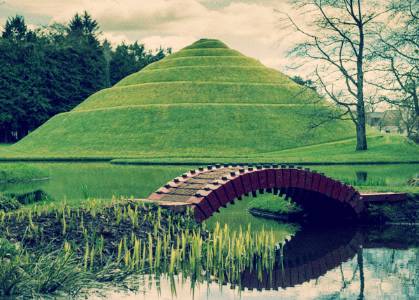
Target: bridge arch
column 208, row 189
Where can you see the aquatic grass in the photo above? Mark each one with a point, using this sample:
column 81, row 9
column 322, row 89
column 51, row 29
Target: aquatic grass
column 30, row 274
column 145, row 240
column 85, row 191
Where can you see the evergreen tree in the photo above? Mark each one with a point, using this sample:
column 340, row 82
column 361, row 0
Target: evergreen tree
column 53, row 69
column 129, row 59
column 84, row 63
column 15, row 29
column 121, row 64
column 23, row 106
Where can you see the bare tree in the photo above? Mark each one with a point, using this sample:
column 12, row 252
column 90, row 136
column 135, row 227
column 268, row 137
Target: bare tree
column 408, row 121
column 336, row 47
column 360, row 260
column 397, row 55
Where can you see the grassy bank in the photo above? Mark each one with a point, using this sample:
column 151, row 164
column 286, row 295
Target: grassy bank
column 166, row 131
column 15, row 173
column 378, row 213
column 381, row 149
column 274, row 204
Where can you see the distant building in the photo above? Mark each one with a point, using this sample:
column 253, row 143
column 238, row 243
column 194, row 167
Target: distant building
column 389, row 121
column 392, row 122
column 374, row 118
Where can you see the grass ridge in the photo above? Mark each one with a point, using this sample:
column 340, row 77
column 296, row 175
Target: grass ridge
column 189, row 104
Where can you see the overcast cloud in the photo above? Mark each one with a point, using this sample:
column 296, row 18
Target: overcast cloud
column 252, row 27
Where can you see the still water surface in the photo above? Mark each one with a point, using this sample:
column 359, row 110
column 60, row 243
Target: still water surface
column 314, row 263
column 75, row 181
column 318, row 265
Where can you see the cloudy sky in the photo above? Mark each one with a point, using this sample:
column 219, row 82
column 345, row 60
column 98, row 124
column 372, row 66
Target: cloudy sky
column 250, row 26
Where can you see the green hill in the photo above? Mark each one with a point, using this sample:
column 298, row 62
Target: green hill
column 203, row 101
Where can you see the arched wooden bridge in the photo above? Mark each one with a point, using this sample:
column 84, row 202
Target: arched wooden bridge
column 207, row 189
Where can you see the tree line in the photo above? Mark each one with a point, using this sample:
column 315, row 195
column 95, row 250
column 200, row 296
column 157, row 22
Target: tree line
column 362, row 54
column 51, row 69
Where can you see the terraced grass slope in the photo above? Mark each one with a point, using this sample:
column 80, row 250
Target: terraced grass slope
column 204, row 101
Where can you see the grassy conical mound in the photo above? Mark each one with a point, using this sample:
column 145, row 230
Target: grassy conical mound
column 204, row 101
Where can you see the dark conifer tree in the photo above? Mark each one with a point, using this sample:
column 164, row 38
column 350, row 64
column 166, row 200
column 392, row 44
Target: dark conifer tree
column 22, row 103
column 128, row 59
column 53, row 69
column 15, row 29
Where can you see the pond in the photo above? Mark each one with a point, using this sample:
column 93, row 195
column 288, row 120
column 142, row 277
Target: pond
column 312, row 262
column 74, row 182
column 316, row 264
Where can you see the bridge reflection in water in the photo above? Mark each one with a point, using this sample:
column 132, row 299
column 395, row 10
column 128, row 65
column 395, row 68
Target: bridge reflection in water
column 311, row 253
column 327, row 263
column 308, row 255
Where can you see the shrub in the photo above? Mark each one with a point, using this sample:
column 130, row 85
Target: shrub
column 30, row 197
column 8, row 203
column 397, row 212
column 13, row 173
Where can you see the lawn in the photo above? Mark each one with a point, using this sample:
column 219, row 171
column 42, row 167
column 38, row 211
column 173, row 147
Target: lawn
column 177, row 131
column 240, row 74
column 205, row 61
column 195, row 93
column 381, row 148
